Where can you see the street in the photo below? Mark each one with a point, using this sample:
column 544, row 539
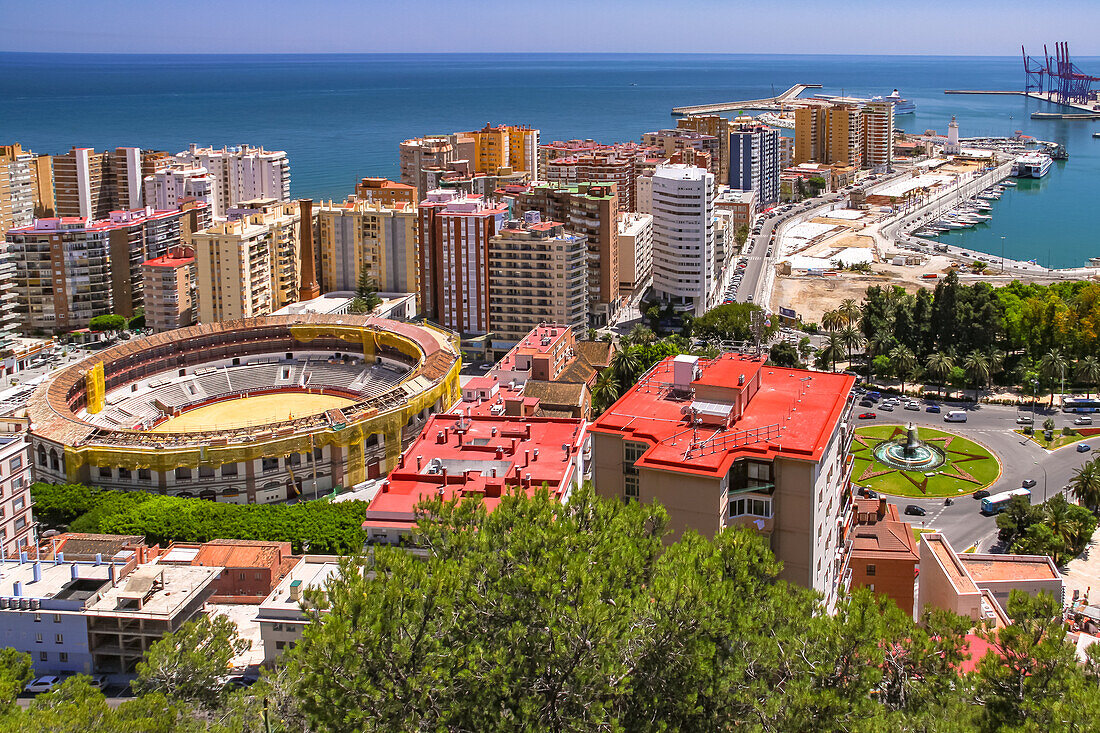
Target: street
column 992, row 426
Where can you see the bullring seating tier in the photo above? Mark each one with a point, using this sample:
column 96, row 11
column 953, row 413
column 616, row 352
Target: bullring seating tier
column 165, row 396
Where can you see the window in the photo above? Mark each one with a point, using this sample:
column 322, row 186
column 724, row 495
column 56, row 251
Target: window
column 183, row 474
column 59, row 638
column 18, row 504
column 20, row 523
column 124, row 474
column 270, row 464
column 229, row 469
column 43, row 656
column 632, row 451
column 206, row 472
column 870, row 569
column 57, row 618
column 38, row 637
column 240, row 576
column 63, row 657
column 751, row 506
column 143, row 474
column 280, row 645
column 15, row 464
column 37, row 617
column 291, row 628
column 105, row 472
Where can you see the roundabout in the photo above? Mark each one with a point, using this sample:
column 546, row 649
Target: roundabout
column 924, row 463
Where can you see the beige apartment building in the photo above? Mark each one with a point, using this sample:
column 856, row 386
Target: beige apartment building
column 417, row 155
column 733, row 442
column 233, row 270
column 169, row 283
column 719, row 127
column 878, row 133
column 92, row 185
column 378, row 237
column 387, row 192
column 283, row 220
column 17, row 186
column 537, row 274
column 850, row 132
column 635, row 250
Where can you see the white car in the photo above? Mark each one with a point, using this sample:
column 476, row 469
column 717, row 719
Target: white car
column 1082, row 420
column 43, row 684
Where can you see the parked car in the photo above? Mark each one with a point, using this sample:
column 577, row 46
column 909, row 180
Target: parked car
column 866, row 403
column 1025, row 420
column 1082, row 420
column 932, row 408
column 1028, row 483
column 886, row 407
column 867, row 416
column 916, row 511
column 43, row 684
column 1083, row 447
column 242, row 680
column 99, row 681
column 912, row 405
column 981, row 494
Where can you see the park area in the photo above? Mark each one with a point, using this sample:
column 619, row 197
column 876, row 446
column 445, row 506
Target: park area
column 944, row 464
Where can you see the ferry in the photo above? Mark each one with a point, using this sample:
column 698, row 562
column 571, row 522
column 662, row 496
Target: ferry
column 901, row 106
column 1032, row 165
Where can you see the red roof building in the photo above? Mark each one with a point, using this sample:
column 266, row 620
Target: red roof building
column 732, row 442
column 883, row 555
column 459, row 456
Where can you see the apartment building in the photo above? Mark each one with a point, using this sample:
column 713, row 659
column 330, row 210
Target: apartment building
column 91, row 185
column 417, row 155
column 567, row 149
column 732, row 442
column 620, row 164
column 68, row 270
column 515, row 147
column 883, row 554
column 538, row 273
column 590, row 209
column 455, row 230
column 369, row 235
column 754, row 160
column 233, row 270
column 739, row 206
column 978, row 585
column 17, row 531
column 718, row 127
column 635, row 251
column 283, row 219
column 846, row 132
column 42, row 181
column 250, row 569
column 10, row 320
column 684, row 264
column 878, row 134
column 169, row 187
column 169, row 284
column 280, row 617
column 386, row 192
column 480, row 456
column 680, row 139
column 242, row 173
column 17, row 187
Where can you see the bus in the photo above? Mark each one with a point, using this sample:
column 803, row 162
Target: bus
column 999, row 502
column 1081, row 404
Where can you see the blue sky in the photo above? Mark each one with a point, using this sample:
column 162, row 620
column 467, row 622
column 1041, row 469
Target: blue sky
column 928, row 27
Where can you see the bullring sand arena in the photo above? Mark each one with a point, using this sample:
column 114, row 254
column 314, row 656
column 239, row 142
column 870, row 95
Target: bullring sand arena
column 253, row 411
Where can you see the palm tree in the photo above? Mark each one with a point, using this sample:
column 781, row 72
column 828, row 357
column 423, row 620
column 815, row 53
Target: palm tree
column 977, row 368
column 605, row 391
column 625, row 364
column 852, row 339
column 1085, row 485
column 1059, row 520
column 939, row 366
column 850, row 310
column 1051, row 366
column 832, row 320
column 904, row 362
column 641, row 334
column 834, row 348
column 1087, row 372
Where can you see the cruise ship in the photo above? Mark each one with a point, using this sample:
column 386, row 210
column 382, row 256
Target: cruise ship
column 901, row 106
column 1031, row 165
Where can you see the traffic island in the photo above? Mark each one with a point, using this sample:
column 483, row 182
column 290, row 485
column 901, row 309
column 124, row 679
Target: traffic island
column 895, row 460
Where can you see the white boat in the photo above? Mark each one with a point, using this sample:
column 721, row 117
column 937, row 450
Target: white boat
column 1008, row 183
column 1031, row 165
column 901, row 106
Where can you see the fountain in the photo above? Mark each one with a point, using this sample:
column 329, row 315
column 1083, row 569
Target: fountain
column 909, row 453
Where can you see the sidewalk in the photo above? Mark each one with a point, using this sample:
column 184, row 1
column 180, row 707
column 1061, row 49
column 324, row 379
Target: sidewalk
column 1083, row 573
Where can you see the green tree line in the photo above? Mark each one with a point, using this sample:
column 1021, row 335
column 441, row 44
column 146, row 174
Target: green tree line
column 580, row 617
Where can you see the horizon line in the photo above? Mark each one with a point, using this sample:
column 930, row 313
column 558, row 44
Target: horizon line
column 498, row 53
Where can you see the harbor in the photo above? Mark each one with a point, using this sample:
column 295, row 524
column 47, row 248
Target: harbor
column 767, row 103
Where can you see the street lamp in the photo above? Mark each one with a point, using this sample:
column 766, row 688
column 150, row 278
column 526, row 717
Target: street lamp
column 1044, row 470
column 1002, row 255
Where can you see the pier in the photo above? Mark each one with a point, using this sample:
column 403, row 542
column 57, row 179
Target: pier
column 776, row 102
column 1090, row 111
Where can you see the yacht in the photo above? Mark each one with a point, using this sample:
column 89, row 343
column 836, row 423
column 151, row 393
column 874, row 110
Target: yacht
column 1031, row 165
column 1010, row 184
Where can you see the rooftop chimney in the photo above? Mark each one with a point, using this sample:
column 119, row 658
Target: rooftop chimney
column 59, row 558
column 37, row 572
column 17, row 589
column 309, row 288
column 74, row 571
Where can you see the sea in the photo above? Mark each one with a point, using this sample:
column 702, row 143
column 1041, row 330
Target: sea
column 341, row 117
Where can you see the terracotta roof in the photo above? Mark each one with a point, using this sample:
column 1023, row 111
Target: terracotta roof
column 555, row 394
column 77, row 545
column 984, row 568
column 883, row 540
column 596, row 353
column 241, row 554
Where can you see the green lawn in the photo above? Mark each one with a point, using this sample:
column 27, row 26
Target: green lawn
column 918, row 532
column 969, row 466
column 1059, row 439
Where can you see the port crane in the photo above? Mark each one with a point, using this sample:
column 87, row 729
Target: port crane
column 1064, row 81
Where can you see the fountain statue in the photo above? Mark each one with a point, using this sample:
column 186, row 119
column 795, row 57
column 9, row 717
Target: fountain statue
column 909, row 453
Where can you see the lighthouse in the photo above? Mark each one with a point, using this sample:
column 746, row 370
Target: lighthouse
column 952, row 147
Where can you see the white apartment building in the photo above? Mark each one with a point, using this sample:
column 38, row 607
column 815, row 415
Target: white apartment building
column 16, row 524
column 166, row 188
column 635, row 250
column 683, row 236
column 241, row 173
column 878, row 134
column 16, row 188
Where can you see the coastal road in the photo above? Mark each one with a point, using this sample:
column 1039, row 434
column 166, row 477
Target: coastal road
column 992, row 426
